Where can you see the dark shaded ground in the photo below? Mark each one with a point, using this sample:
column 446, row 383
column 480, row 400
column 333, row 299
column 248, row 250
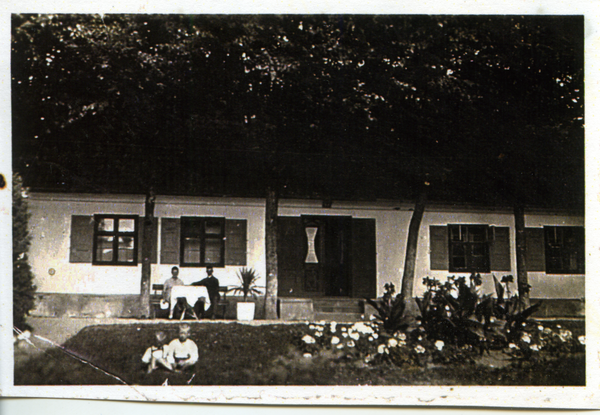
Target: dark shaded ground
column 237, row 354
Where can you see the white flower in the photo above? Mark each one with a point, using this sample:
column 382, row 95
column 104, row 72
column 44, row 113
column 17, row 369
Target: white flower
column 547, row 330
column 420, row 338
column 332, row 327
column 343, row 328
column 492, row 319
column 308, row 339
column 307, row 355
column 513, row 346
column 340, row 346
column 400, row 335
column 344, row 335
column 381, row 349
column 361, row 328
column 371, row 338
column 526, row 338
column 351, row 343
column 335, row 340
column 375, row 335
column 419, row 349
column 535, row 347
column 354, row 335
column 312, row 327
column 581, row 339
column 566, row 334
column 392, row 343
column 319, row 334
column 541, row 328
column 439, row 345
column 558, row 326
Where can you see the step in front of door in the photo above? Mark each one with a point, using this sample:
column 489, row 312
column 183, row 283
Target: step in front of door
column 339, row 317
column 338, row 305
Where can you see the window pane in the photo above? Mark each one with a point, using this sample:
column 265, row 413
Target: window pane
column 459, row 262
column 477, row 234
column 212, row 253
column 104, row 248
column 191, row 250
column 126, row 225
column 455, row 233
column 106, row 224
column 478, row 250
column 458, row 250
column 191, row 227
column 213, row 228
column 125, row 253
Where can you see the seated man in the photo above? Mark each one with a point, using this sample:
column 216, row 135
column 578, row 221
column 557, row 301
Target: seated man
column 183, row 352
column 212, row 286
column 158, row 354
column 170, row 283
column 168, row 287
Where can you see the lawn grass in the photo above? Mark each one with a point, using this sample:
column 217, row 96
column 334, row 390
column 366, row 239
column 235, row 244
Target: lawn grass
column 239, row 354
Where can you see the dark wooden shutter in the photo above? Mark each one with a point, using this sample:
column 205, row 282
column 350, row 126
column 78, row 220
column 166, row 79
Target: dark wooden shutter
column 291, row 253
column 499, row 248
column 169, row 240
column 154, row 255
column 535, row 256
column 82, row 238
column 438, row 248
column 364, row 258
column 235, row 242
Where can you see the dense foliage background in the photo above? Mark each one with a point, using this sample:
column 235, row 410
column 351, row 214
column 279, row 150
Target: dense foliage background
column 483, row 108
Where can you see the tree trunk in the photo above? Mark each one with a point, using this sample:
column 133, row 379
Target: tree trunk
column 522, row 282
column 271, row 254
column 147, row 223
column 408, row 277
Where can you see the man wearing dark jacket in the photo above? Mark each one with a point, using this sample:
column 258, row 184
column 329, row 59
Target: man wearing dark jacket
column 212, row 286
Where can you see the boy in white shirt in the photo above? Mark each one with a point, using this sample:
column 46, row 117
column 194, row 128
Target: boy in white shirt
column 183, row 352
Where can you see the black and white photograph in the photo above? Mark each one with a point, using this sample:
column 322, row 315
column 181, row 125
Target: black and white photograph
column 210, row 206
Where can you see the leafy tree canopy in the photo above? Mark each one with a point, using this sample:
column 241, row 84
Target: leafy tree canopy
column 484, row 108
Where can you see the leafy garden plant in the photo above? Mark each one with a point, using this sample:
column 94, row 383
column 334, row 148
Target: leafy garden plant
column 457, row 324
column 247, row 287
column 391, row 310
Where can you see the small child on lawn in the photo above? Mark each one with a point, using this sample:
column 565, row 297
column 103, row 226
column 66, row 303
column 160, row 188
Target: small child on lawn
column 158, row 354
column 183, row 352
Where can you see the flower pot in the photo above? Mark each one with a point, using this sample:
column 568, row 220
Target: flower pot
column 245, row 311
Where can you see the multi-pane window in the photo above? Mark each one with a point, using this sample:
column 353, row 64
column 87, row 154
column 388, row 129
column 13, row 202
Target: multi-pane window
column 565, row 248
column 202, row 241
column 115, row 240
column 469, row 248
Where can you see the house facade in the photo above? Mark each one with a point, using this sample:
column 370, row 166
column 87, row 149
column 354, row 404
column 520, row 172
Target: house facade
column 86, row 249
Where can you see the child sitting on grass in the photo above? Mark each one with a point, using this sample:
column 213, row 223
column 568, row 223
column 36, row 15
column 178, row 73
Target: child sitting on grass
column 183, row 352
column 158, row 354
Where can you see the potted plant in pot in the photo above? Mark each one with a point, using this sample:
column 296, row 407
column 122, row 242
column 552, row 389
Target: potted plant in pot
column 248, row 278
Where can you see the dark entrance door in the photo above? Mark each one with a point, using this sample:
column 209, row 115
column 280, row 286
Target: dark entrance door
column 322, row 256
column 327, row 263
